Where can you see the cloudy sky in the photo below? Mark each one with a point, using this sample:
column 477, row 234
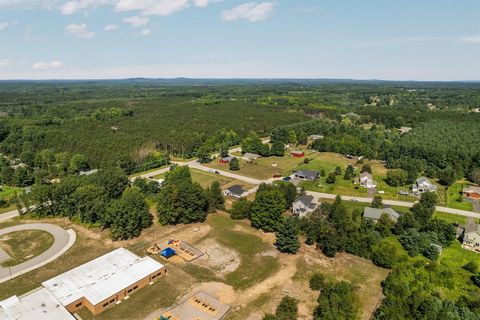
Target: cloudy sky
column 360, row 39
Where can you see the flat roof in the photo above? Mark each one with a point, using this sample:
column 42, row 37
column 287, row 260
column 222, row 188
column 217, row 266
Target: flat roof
column 102, row 277
column 37, row 305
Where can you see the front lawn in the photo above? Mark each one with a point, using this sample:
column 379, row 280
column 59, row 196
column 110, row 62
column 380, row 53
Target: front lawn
column 455, row 198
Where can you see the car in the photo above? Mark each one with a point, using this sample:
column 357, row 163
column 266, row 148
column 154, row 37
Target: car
column 217, row 172
column 277, row 176
column 287, row 179
column 403, row 193
column 354, row 199
column 381, row 192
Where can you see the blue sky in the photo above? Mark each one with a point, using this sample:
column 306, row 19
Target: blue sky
column 359, row 39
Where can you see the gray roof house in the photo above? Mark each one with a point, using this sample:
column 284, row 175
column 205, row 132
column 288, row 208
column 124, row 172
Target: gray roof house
column 422, row 185
column 250, row 156
column 375, row 214
column 307, row 174
column 303, row 205
column 235, row 191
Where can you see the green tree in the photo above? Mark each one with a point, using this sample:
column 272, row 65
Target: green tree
column 129, row 215
column 234, row 164
column 287, row 236
column 337, row 302
column 338, row 171
column 113, row 180
column 277, row 149
column 287, row 309
column 349, row 173
column 181, row 200
column 332, row 178
column 240, row 209
column 377, row 202
column 78, row 162
column 267, row 209
column 397, row 177
column 214, row 197
column 366, row 168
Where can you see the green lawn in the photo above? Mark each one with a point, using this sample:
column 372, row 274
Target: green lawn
column 455, row 198
column 24, row 245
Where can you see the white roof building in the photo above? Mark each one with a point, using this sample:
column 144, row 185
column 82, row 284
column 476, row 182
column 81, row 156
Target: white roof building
column 102, row 277
column 37, row 305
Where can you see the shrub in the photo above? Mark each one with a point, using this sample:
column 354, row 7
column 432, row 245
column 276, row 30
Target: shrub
column 317, row 281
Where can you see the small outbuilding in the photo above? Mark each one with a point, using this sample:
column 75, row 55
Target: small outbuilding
column 297, row 154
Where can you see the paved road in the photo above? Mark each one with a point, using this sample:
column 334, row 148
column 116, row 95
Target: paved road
column 62, row 241
column 8, row 215
column 199, row 166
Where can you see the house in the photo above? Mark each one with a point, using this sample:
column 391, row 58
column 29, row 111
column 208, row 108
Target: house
column 471, row 239
column 297, row 154
column 471, row 192
column 422, row 185
column 235, row 191
column 103, row 282
column 249, row 157
column 374, row 214
column 226, row 159
column 404, row 130
column 303, row 205
column 315, row 137
column 366, row 180
column 307, row 175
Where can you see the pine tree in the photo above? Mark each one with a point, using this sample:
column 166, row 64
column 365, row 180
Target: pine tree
column 215, row 197
column 277, row 149
column 234, row 165
column 287, row 236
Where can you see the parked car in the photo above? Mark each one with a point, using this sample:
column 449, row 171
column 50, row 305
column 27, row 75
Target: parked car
column 287, row 179
column 277, row 176
column 403, row 193
column 381, row 192
column 354, row 200
column 217, row 172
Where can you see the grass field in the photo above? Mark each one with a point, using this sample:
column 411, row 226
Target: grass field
column 24, row 245
column 6, row 193
column 455, row 198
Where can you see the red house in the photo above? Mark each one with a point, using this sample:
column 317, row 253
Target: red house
column 298, row 154
column 226, row 159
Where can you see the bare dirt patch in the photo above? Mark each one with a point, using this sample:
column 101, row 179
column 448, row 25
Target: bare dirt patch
column 221, row 260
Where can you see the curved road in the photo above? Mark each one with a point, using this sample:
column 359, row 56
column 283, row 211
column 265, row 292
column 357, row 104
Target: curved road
column 62, row 241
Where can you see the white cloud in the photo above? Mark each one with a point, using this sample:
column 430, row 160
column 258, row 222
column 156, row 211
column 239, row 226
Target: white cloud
column 145, row 32
column 7, row 24
column 472, row 39
column 6, row 63
column 136, row 21
column 47, row 65
column 110, row 27
column 250, row 11
column 79, row 31
column 204, row 3
column 152, row 7
column 75, row 6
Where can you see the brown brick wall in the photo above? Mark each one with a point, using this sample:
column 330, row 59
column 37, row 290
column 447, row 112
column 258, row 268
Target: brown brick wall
column 119, row 296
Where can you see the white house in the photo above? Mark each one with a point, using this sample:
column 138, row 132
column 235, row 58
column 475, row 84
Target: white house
column 249, row 157
column 422, row 185
column 366, row 180
column 315, row 137
column 303, row 205
column 471, row 240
